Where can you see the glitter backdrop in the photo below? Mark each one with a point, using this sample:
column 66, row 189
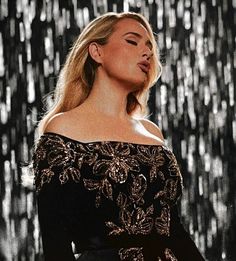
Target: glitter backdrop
column 193, row 103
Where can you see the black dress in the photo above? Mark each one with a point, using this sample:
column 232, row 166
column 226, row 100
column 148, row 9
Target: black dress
column 114, row 200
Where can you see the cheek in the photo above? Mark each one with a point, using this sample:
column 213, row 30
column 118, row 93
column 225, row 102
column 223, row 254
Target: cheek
column 119, row 52
column 120, row 60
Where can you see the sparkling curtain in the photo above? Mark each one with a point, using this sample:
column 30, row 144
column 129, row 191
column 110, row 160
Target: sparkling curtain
column 193, row 103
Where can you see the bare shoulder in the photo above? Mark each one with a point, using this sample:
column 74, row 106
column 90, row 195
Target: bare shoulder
column 70, row 123
column 152, row 128
column 57, row 123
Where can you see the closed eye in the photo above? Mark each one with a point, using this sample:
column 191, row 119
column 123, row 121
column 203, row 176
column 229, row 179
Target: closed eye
column 131, row 42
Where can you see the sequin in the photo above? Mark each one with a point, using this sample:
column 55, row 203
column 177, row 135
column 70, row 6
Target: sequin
column 169, row 255
column 169, row 194
column 154, row 157
column 119, row 163
column 133, row 221
column 59, row 154
column 103, row 187
column 137, row 188
column 119, row 173
column 162, row 223
column 134, row 254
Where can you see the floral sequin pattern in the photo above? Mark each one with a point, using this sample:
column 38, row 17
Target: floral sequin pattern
column 114, row 167
column 133, row 220
column 137, row 189
column 58, row 153
column 162, row 223
column 141, row 182
column 174, row 168
column 168, row 195
column 154, row 157
column 119, row 163
column 131, row 254
column 135, row 254
column 168, row 255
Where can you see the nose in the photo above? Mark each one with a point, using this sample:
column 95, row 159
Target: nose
column 147, row 53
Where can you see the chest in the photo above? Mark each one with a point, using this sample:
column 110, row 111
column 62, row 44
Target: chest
column 94, row 129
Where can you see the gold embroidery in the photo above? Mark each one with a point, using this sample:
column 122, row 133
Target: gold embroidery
column 169, row 255
column 137, row 188
column 46, row 176
column 59, row 153
column 40, row 153
column 174, row 168
column 120, row 161
column 103, row 186
column 169, row 194
column 134, row 221
column 131, row 254
column 162, row 223
column 173, row 184
column 154, row 157
column 115, row 166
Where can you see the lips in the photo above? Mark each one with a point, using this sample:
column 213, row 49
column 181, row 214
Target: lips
column 144, row 66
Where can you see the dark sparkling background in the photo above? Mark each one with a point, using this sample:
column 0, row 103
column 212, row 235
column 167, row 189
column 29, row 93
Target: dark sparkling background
column 193, row 103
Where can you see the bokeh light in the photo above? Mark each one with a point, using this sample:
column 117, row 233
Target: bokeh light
column 193, row 103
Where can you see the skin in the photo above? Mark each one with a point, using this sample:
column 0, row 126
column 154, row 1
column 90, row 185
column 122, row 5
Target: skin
column 103, row 114
column 119, row 73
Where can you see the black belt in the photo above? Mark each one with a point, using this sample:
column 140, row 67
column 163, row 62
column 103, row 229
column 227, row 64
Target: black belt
column 108, row 249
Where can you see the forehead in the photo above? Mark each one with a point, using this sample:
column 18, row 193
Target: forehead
column 130, row 25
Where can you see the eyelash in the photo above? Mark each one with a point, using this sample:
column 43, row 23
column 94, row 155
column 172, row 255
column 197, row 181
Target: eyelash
column 132, row 42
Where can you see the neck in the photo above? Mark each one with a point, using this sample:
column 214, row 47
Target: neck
column 109, row 98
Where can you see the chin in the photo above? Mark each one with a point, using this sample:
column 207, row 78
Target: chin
column 141, row 83
column 135, row 84
column 138, row 86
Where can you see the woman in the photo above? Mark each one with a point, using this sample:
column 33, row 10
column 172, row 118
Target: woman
column 105, row 179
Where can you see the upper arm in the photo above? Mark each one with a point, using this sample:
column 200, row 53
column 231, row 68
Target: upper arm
column 51, row 201
column 152, row 128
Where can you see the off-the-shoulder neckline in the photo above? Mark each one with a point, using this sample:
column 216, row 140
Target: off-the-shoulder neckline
column 102, row 141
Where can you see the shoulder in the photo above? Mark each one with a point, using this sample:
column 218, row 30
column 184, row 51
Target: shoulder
column 152, row 128
column 57, row 123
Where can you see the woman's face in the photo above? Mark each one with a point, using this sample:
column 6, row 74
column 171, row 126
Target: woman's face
column 126, row 56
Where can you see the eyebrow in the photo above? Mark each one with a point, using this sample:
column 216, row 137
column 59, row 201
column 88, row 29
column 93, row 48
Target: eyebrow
column 148, row 42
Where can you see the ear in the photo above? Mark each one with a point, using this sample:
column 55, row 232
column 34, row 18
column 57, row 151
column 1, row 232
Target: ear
column 95, row 51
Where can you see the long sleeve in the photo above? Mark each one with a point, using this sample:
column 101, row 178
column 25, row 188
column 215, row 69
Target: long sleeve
column 109, row 195
column 181, row 242
column 55, row 235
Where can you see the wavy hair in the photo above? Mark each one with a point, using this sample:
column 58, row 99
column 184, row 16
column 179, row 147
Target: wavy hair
column 78, row 72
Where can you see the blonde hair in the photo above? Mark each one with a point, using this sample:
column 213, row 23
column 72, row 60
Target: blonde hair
column 77, row 75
